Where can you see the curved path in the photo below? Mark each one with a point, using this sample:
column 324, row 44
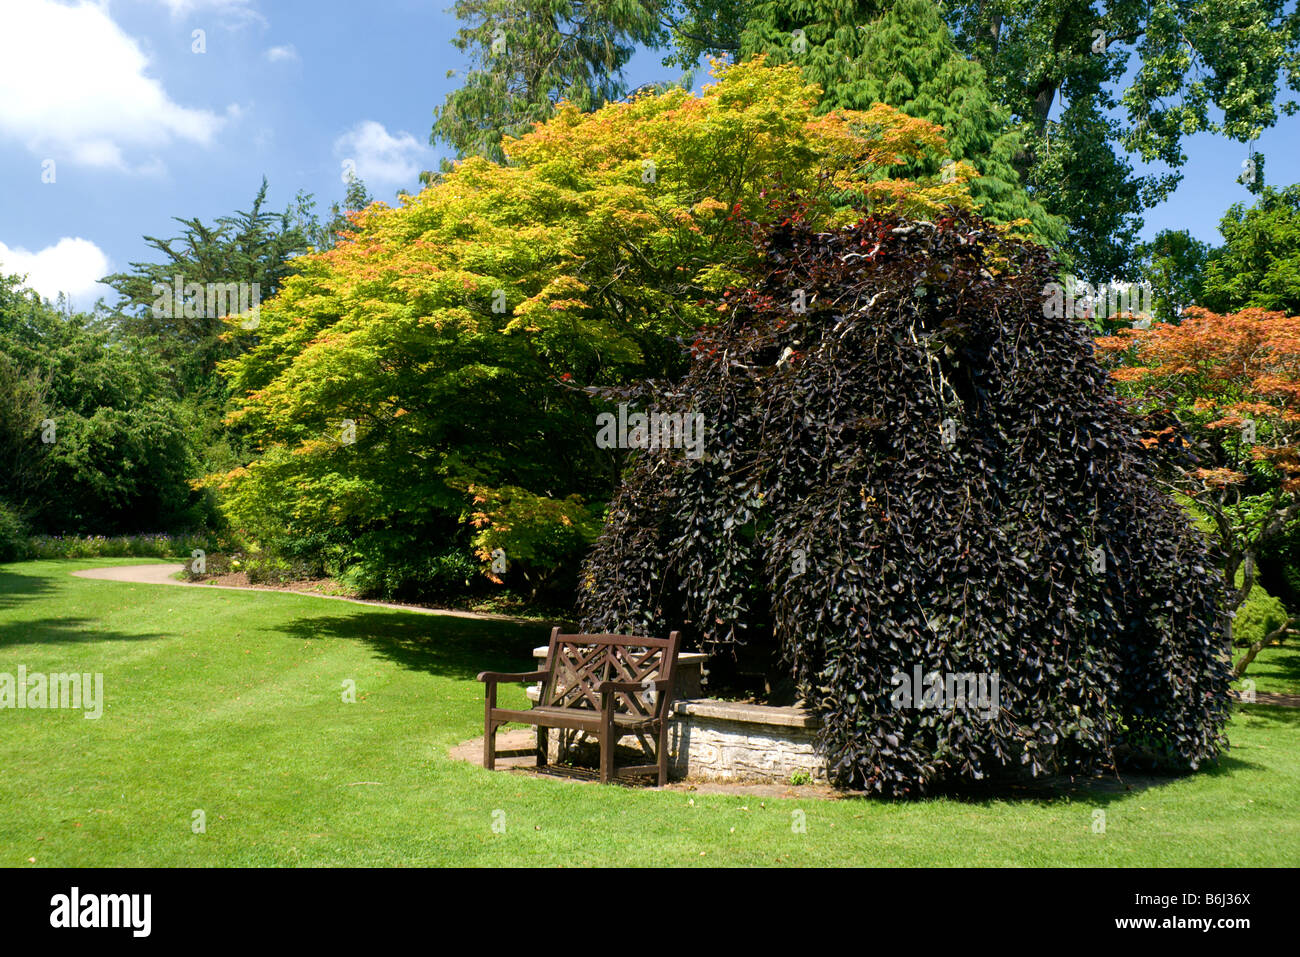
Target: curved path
column 160, row 573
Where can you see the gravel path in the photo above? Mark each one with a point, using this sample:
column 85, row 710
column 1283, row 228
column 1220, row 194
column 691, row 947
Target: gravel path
column 139, row 574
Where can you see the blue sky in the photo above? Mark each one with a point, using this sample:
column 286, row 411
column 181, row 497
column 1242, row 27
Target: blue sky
column 139, row 127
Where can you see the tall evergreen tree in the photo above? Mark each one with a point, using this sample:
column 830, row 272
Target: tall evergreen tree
column 325, row 235
column 252, row 247
column 902, row 53
column 529, row 54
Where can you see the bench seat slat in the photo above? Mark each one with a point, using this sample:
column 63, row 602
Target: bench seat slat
column 576, row 719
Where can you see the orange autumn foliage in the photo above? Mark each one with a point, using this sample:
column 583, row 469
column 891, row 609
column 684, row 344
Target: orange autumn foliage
column 1235, row 373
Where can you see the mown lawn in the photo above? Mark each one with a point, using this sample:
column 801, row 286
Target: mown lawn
column 231, row 702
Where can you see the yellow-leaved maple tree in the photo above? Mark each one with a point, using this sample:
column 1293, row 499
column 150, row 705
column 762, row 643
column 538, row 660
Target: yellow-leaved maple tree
column 418, row 391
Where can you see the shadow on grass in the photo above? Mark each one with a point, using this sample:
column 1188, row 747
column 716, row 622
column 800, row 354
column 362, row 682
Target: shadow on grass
column 440, row 644
column 1095, row 791
column 16, row 587
column 56, row 631
column 1276, row 715
column 460, row 648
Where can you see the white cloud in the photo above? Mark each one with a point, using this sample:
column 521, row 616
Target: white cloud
column 281, row 54
column 73, row 266
column 73, row 85
column 379, row 156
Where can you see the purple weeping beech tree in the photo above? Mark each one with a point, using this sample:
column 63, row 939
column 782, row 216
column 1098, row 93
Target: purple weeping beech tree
column 909, row 469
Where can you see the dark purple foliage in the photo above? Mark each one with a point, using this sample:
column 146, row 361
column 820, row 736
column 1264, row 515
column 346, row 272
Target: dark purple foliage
column 833, row 519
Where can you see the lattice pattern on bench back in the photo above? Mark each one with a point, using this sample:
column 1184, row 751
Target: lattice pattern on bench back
column 579, row 663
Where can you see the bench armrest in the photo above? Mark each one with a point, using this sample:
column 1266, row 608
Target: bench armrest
column 492, row 677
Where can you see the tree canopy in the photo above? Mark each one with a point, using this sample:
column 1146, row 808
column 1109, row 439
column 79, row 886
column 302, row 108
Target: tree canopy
column 527, row 55
column 914, row 468
column 91, row 431
column 1173, row 264
column 1220, row 401
column 903, row 54
column 1258, row 265
column 1086, row 82
column 419, row 386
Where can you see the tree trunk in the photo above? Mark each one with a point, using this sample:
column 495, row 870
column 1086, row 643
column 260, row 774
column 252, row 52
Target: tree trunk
column 1244, row 661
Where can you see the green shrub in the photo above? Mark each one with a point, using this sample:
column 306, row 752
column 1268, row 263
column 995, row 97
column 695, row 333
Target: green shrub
column 1258, row 615
column 117, row 546
column 276, row 570
column 114, row 450
column 447, row 574
column 13, row 535
column 215, row 564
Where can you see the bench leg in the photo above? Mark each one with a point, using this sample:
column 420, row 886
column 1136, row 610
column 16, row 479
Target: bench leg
column 543, row 742
column 490, row 747
column 663, row 754
column 607, row 742
column 490, row 730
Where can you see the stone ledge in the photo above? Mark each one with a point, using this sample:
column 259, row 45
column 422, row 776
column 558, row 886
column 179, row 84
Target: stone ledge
column 742, row 713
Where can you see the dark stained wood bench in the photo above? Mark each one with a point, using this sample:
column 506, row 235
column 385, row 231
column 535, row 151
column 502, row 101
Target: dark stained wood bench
column 603, row 685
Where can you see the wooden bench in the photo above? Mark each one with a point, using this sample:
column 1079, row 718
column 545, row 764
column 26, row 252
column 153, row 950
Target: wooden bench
column 606, row 685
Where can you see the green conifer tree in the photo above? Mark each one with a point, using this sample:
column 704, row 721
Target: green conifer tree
column 903, row 54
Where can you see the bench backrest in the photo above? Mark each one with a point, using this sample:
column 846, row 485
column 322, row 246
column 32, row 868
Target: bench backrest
column 577, row 664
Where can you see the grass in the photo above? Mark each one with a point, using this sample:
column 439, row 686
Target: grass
column 231, row 703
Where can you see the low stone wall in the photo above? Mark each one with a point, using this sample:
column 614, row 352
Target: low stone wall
column 728, row 741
